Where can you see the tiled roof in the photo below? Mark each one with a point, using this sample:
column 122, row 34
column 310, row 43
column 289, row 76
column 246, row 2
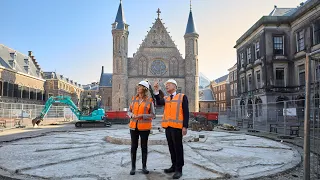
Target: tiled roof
column 91, row 87
column 54, row 75
column 206, row 95
column 221, row 79
column 282, row 11
column 14, row 60
column 106, row 80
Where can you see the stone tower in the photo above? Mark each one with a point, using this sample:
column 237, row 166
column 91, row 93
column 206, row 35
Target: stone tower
column 191, row 64
column 120, row 35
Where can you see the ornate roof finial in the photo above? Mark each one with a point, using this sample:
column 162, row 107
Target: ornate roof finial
column 190, row 5
column 159, row 12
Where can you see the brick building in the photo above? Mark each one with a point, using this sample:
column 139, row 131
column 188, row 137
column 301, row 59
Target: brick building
column 20, row 77
column 233, row 86
column 220, row 88
column 58, row 85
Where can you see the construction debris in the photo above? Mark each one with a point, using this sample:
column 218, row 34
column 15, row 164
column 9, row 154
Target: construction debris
column 197, row 126
column 229, row 127
column 201, row 136
column 196, row 139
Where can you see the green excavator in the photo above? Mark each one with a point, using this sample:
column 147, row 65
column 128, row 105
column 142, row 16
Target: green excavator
column 88, row 116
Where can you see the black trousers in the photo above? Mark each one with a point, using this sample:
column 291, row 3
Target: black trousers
column 174, row 138
column 135, row 140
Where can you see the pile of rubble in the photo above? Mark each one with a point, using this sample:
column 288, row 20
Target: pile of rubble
column 228, row 127
column 198, row 126
column 195, row 138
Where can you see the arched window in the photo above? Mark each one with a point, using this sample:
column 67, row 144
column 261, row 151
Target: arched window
column 174, row 67
column 143, row 66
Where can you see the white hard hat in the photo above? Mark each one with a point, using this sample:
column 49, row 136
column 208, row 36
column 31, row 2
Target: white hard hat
column 144, row 83
column 171, row 81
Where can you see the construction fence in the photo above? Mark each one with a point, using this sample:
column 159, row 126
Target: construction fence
column 284, row 119
column 16, row 114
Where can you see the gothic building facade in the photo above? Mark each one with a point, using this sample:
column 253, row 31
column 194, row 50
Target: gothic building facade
column 157, row 59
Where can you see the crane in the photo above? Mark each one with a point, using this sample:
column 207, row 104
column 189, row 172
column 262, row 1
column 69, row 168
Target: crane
column 96, row 116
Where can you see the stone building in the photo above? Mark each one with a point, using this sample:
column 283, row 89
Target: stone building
column 233, row 86
column 157, row 58
column 58, row 85
column 207, row 103
column 20, row 77
column 271, row 57
column 105, row 89
column 220, row 88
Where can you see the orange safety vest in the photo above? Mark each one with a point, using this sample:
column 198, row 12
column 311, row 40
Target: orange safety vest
column 173, row 113
column 138, row 109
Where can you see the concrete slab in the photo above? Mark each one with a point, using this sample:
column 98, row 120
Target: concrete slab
column 87, row 155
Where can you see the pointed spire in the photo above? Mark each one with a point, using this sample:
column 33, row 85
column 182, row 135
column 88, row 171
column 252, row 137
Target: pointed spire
column 120, row 19
column 191, row 28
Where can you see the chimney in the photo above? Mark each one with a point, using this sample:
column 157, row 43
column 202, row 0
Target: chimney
column 29, row 53
column 102, row 70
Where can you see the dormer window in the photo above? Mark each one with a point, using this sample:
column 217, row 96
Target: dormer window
column 52, row 75
column 27, row 68
column 26, row 61
column 12, row 63
column 13, row 55
column 67, row 79
column 61, row 76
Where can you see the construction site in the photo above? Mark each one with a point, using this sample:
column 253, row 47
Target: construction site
column 66, row 152
column 259, row 121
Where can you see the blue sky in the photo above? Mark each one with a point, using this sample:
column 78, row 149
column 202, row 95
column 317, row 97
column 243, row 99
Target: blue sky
column 73, row 37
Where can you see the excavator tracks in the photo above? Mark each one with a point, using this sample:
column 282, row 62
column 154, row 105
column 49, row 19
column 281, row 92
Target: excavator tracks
column 88, row 124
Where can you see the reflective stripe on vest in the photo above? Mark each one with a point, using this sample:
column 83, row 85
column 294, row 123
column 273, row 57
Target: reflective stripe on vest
column 143, row 124
column 176, row 120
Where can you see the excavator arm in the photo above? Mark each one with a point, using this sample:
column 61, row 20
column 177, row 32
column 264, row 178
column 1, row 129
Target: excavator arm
column 56, row 99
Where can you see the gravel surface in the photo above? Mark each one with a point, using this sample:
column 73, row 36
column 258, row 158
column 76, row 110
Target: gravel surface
column 297, row 173
column 293, row 174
